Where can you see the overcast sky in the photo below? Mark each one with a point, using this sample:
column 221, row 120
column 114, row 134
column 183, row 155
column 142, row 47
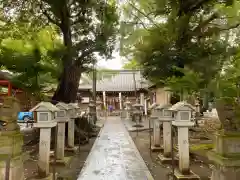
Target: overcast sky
column 115, row 63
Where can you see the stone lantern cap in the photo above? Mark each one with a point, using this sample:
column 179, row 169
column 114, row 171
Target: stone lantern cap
column 71, row 106
column 91, row 104
column 163, row 107
column 62, row 106
column 153, row 106
column 99, row 102
column 74, row 105
column 44, row 107
column 182, row 106
column 127, row 102
column 137, row 105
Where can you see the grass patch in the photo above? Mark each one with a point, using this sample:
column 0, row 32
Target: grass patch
column 201, row 147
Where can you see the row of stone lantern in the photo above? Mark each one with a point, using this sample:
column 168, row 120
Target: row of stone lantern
column 134, row 112
column 180, row 116
column 49, row 116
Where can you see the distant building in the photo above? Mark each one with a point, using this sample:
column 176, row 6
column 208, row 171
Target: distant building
column 122, row 83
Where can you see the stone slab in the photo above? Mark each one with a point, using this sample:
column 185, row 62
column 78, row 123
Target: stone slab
column 114, row 156
column 156, row 148
column 71, row 149
column 65, row 162
column 180, row 176
column 167, row 160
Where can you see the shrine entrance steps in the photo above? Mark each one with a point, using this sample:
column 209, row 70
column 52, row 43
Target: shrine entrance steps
column 114, row 156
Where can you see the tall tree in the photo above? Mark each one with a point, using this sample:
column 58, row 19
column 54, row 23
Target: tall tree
column 177, row 33
column 87, row 27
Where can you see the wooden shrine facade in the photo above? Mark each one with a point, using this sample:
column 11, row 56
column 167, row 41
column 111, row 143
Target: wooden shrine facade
column 121, row 85
column 113, row 98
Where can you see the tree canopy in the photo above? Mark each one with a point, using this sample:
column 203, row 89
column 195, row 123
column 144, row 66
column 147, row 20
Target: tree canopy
column 33, row 59
column 163, row 35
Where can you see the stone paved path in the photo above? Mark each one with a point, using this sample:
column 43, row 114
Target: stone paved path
column 114, row 156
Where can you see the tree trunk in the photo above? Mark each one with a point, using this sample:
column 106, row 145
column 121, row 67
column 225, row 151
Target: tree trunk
column 68, row 85
column 69, row 80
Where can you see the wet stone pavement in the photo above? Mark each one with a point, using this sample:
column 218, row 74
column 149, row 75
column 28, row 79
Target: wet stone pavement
column 114, row 156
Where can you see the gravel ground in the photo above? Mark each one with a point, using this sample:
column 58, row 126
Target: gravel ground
column 158, row 170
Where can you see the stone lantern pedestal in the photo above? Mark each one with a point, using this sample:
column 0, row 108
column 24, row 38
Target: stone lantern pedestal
column 226, row 156
column 71, row 128
column 61, row 121
column 44, row 147
column 11, row 141
column 156, row 114
column 156, row 145
column 11, row 149
column 166, row 119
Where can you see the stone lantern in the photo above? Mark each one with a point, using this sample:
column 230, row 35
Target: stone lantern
column 128, row 109
column 182, row 112
column 45, row 121
column 137, row 113
column 92, row 113
column 99, row 107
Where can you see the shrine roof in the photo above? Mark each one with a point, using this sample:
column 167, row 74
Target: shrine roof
column 122, row 81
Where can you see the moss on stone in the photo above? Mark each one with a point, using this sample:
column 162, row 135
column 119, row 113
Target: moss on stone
column 201, row 147
column 228, row 134
column 223, row 160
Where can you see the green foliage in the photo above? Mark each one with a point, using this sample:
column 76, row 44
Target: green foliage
column 189, row 83
column 133, row 64
column 34, row 61
column 227, row 84
column 86, row 26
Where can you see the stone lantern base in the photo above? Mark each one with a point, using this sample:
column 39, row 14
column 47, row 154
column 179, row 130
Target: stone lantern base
column 11, row 149
column 190, row 176
column 167, row 159
column 156, row 148
column 226, row 156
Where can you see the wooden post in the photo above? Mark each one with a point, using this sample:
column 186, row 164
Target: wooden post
column 9, row 89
